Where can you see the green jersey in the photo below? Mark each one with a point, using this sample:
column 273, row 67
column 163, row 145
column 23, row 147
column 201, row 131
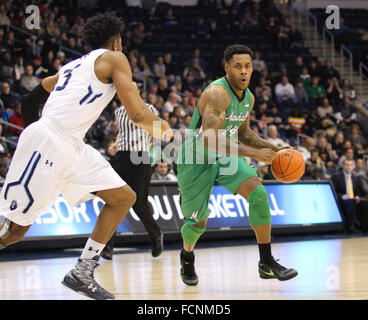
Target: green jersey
column 236, row 113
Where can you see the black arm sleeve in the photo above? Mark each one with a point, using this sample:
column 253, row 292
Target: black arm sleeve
column 31, row 103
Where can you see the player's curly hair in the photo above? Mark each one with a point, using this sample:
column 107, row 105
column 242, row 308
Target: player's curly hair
column 236, row 49
column 100, row 28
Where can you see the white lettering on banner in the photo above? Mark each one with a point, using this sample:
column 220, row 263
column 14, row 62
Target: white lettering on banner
column 229, row 205
column 176, row 199
column 217, row 205
column 156, row 212
column 276, row 210
column 220, row 206
column 211, row 209
column 133, row 214
column 165, row 216
column 239, row 198
column 66, row 219
column 81, row 210
column 52, row 217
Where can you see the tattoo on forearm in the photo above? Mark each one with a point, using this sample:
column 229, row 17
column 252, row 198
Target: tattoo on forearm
column 251, row 139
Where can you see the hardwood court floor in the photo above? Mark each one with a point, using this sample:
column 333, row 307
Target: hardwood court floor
column 328, row 269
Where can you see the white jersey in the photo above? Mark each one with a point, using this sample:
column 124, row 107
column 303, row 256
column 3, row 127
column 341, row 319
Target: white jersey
column 78, row 97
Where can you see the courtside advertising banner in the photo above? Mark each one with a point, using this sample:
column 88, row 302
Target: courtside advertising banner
column 291, row 205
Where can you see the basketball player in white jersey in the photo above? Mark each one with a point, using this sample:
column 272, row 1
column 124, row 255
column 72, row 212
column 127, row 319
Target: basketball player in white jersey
column 51, row 157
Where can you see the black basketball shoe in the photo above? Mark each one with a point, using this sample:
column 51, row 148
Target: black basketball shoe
column 81, row 279
column 187, row 271
column 274, row 270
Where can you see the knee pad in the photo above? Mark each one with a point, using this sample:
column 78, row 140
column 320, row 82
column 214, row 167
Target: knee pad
column 259, row 208
column 191, row 233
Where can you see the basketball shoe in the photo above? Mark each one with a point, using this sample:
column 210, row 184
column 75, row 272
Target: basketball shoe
column 274, row 270
column 81, row 279
column 187, row 271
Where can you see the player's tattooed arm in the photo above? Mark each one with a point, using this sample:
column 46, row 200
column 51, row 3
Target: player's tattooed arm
column 249, row 138
column 217, row 100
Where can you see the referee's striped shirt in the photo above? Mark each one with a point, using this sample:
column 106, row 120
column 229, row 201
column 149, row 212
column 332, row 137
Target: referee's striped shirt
column 131, row 137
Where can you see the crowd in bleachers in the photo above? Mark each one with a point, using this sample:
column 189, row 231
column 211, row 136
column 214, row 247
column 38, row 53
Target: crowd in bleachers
column 174, row 53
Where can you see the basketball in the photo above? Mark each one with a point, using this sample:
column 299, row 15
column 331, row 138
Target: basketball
column 288, row 166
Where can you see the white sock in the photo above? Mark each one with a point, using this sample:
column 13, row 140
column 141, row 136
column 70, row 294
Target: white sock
column 92, row 249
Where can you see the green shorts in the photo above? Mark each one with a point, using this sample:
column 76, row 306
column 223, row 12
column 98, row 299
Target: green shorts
column 196, row 183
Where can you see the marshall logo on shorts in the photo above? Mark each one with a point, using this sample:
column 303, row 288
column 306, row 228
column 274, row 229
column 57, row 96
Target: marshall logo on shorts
column 13, row 205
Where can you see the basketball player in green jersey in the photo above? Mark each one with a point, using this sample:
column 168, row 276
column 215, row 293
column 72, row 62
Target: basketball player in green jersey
column 224, row 109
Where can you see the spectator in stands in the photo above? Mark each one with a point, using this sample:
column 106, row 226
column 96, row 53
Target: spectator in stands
column 359, row 167
column 28, row 80
column 329, row 72
column 4, row 19
column 162, row 173
column 284, row 91
column 325, row 109
column 7, row 98
column 185, row 124
column 199, row 29
column 334, row 91
column 345, row 183
column 348, row 155
column 296, row 38
column 305, row 77
column 16, row 120
column 314, row 69
column 272, row 29
column 196, row 70
column 139, row 36
column 170, row 67
column 213, row 31
column 159, row 68
column 197, row 55
column 283, row 38
column 171, row 103
column 173, row 120
column 307, row 145
column 338, row 143
column 347, row 90
column 18, row 68
column 169, row 20
column 272, row 137
column 347, row 114
column 259, row 65
column 317, row 165
column 163, row 90
column 356, row 137
column 263, row 91
column 315, row 90
column 301, row 96
column 296, row 68
column 7, row 68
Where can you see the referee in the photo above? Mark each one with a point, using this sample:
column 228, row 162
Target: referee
column 134, row 143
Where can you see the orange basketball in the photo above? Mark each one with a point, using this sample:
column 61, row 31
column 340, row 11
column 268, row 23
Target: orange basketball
column 288, row 166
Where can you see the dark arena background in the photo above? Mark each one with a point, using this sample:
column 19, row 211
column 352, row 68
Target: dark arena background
column 310, row 81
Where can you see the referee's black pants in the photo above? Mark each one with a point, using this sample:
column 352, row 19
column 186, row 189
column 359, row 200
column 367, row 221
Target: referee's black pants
column 138, row 177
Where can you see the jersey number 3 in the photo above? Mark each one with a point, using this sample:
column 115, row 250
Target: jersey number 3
column 88, row 98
